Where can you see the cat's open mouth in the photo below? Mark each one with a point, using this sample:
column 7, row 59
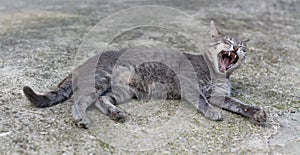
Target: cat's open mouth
column 227, row 59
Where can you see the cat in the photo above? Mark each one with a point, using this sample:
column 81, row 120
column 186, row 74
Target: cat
column 213, row 69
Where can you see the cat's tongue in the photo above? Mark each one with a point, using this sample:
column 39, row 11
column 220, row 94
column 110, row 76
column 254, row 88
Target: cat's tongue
column 224, row 64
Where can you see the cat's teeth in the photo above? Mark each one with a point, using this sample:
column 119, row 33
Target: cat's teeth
column 229, row 54
column 234, row 56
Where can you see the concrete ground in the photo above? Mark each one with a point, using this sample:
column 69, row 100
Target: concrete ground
column 38, row 40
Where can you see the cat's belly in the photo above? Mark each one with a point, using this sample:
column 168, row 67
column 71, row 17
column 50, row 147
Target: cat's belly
column 153, row 80
column 148, row 80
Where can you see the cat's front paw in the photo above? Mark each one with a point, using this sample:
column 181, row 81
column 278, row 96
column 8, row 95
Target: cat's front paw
column 118, row 115
column 213, row 114
column 260, row 116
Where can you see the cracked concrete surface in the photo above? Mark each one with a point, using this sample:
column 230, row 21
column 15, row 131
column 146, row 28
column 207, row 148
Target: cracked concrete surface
column 37, row 44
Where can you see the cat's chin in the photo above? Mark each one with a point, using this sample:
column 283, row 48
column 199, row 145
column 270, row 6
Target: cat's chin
column 226, row 60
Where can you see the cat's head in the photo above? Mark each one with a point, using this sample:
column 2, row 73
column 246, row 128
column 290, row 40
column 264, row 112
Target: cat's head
column 226, row 53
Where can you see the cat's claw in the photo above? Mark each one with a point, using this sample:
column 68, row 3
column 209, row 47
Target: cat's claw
column 260, row 116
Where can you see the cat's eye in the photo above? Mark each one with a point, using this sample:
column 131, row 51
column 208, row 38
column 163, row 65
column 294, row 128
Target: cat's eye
column 227, row 42
column 241, row 46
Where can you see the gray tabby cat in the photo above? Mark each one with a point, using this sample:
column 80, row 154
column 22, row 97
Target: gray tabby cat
column 213, row 70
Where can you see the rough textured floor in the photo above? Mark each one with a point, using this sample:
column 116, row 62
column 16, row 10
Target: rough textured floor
column 38, row 40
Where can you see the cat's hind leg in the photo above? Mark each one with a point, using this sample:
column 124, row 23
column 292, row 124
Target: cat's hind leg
column 86, row 92
column 106, row 103
column 79, row 109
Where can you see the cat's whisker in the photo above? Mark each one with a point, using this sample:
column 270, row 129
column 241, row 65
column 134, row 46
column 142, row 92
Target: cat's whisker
column 246, row 40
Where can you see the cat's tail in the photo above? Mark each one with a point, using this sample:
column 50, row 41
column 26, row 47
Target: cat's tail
column 63, row 92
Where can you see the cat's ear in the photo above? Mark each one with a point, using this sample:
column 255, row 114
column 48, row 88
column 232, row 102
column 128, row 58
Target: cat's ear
column 214, row 32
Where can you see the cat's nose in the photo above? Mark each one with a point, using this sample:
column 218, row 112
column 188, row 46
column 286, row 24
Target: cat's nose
column 235, row 48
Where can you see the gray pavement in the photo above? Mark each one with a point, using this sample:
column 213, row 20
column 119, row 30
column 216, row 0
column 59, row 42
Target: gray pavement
column 38, row 40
